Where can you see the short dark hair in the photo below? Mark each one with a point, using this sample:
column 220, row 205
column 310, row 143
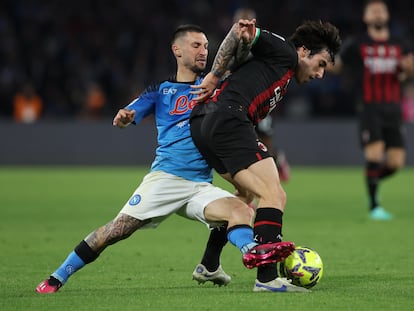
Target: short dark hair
column 316, row 36
column 181, row 30
column 368, row 2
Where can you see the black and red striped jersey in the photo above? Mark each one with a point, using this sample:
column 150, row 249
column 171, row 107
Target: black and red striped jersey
column 256, row 86
column 374, row 67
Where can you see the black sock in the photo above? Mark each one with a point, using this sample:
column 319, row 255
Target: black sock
column 215, row 244
column 268, row 225
column 85, row 253
column 54, row 281
column 268, row 228
column 372, row 176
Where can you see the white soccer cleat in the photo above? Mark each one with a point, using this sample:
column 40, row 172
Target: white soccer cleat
column 218, row 277
column 278, row 285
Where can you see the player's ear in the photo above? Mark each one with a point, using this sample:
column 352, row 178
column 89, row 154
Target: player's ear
column 303, row 51
column 176, row 50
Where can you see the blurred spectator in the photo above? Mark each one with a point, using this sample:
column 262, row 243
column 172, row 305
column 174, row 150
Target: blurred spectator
column 27, row 105
column 62, row 45
column 94, row 103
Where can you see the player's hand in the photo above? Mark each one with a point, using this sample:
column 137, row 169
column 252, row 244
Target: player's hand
column 206, row 88
column 123, row 118
column 247, row 29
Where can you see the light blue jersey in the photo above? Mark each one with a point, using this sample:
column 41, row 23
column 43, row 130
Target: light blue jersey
column 171, row 103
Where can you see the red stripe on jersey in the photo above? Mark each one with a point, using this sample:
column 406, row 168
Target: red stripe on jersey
column 380, row 76
column 367, row 91
column 258, row 156
column 377, row 77
column 267, row 222
column 396, row 91
column 269, row 93
column 218, row 91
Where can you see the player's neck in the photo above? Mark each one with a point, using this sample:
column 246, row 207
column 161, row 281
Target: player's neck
column 382, row 34
column 184, row 75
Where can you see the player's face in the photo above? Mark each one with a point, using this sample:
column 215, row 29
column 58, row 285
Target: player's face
column 195, row 51
column 311, row 66
column 376, row 14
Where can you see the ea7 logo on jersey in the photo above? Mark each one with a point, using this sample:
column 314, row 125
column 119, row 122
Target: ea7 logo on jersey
column 182, row 105
column 170, row 90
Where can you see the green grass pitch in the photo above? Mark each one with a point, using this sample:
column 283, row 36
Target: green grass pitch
column 46, row 211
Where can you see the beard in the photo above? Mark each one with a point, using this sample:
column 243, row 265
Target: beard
column 197, row 70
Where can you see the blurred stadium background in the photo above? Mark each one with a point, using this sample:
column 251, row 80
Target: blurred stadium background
column 86, row 59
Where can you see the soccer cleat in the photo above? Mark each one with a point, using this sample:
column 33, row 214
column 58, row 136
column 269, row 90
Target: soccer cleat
column 218, row 277
column 282, row 166
column 379, row 213
column 269, row 253
column 46, row 288
column 278, row 285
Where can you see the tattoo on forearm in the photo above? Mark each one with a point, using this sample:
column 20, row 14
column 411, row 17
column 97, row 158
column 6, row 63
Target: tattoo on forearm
column 226, row 53
column 243, row 52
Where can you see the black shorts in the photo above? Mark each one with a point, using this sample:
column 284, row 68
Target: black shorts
column 227, row 141
column 382, row 122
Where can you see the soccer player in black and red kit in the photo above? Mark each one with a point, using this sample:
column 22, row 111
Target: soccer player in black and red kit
column 378, row 61
column 223, row 126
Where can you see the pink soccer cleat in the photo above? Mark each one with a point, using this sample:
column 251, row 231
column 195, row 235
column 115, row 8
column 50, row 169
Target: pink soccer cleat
column 264, row 254
column 46, row 288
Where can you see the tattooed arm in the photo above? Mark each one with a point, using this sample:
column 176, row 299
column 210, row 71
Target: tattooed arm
column 242, row 55
column 235, row 47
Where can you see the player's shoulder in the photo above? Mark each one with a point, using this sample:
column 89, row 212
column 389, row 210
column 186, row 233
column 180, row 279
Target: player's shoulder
column 272, row 35
column 268, row 37
column 272, row 45
column 152, row 87
column 157, row 86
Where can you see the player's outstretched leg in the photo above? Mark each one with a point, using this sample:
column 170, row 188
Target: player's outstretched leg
column 116, row 230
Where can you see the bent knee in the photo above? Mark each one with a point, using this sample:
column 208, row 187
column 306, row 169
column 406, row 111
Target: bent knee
column 241, row 214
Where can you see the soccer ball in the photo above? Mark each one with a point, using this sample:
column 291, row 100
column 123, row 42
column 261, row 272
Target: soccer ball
column 304, row 267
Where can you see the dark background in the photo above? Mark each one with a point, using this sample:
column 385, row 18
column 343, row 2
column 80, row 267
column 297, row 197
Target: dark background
column 63, row 47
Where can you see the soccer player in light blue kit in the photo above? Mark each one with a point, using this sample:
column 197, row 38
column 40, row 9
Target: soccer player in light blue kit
column 179, row 180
